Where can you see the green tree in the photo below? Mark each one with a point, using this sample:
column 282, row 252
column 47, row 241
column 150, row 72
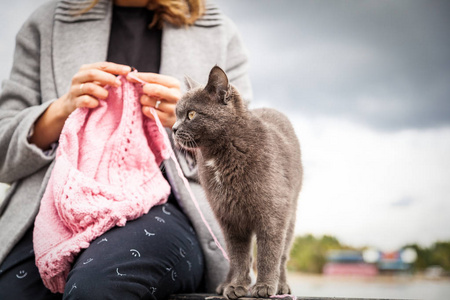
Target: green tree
column 423, row 257
column 440, row 255
column 308, row 253
column 437, row 254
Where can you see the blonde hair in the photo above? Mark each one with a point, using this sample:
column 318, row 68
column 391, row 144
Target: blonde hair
column 176, row 12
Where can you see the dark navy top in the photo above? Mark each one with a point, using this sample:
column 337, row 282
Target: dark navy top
column 132, row 42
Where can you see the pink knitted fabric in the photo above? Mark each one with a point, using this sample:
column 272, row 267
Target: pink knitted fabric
column 106, row 172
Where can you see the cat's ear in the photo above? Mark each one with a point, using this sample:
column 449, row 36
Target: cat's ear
column 218, row 85
column 190, row 83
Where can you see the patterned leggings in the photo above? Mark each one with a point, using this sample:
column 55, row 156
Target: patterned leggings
column 149, row 258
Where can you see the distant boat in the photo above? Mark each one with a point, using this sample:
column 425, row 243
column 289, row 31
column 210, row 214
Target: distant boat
column 371, row 262
column 348, row 262
column 349, row 256
column 350, row 269
column 397, row 261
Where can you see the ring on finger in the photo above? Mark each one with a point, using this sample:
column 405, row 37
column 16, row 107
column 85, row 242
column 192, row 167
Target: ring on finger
column 81, row 88
column 158, row 102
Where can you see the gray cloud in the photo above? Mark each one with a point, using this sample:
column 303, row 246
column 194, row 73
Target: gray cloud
column 385, row 64
column 405, row 201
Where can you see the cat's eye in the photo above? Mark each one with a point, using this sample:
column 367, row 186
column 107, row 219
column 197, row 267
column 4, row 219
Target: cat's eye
column 191, row 114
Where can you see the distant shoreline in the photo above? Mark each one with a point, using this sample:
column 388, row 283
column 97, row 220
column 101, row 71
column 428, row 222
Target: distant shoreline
column 380, row 277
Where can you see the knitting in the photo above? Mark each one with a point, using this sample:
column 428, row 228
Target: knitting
column 106, row 173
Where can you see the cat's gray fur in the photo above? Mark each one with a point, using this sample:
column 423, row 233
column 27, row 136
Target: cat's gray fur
column 249, row 165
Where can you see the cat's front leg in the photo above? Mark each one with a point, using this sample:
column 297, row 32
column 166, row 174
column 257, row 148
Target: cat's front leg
column 283, row 287
column 270, row 249
column 240, row 260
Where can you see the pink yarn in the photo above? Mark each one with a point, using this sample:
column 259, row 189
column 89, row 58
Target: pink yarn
column 284, row 296
column 106, row 172
column 188, row 187
column 181, row 175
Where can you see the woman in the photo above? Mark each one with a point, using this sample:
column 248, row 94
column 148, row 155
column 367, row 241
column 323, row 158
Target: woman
column 65, row 56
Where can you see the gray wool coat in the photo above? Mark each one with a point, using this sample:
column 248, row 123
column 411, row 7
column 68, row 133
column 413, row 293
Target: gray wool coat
column 50, row 48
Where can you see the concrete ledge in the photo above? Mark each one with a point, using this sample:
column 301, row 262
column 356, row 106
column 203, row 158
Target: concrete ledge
column 216, row 297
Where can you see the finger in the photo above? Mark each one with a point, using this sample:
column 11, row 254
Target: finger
column 95, row 75
column 171, row 95
column 86, row 101
column 165, row 80
column 167, row 120
column 109, row 67
column 162, row 106
column 90, row 89
column 147, row 101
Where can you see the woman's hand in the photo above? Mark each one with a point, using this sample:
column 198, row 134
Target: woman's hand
column 88, row 84
column 161, row 92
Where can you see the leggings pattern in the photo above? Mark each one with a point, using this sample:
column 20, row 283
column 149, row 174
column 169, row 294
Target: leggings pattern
column 149, row 258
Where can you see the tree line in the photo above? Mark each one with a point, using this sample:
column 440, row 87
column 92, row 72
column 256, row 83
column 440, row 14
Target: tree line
column 309, row 253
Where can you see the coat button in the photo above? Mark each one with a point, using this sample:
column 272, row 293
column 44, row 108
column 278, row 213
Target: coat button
column 212, row 245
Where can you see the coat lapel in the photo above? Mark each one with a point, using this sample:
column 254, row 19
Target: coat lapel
column 193, row 50
column 83, row 39
column 77, row 41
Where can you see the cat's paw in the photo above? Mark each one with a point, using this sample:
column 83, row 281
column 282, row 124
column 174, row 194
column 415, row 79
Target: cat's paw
column 235, row 291
column 221, row 288
column 283, row 288
column 263, row 290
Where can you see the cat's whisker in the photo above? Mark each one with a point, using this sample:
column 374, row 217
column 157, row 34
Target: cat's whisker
column 186, row 144
column 190, row 141
column 193, row 143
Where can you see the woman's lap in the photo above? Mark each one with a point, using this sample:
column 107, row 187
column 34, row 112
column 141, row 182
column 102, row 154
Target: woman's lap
column 150, row 258
column 19, row 276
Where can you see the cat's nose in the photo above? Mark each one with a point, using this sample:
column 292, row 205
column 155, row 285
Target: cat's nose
column 175, row 127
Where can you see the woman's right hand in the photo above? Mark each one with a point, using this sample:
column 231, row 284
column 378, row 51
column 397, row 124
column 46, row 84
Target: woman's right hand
column 88, row 84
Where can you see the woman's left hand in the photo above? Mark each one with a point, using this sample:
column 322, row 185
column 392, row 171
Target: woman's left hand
column 161, row 92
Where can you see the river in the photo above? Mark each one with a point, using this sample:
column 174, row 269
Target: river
column 380, row 287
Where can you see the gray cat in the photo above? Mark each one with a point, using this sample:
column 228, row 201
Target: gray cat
column 249, row 165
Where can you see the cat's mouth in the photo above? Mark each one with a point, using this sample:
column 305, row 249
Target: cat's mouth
column 184, row 141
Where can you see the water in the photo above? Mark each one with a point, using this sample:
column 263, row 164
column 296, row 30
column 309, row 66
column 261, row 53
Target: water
column 380, row 287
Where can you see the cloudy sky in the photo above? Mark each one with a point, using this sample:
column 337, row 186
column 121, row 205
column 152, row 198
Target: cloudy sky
column 367, row 87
